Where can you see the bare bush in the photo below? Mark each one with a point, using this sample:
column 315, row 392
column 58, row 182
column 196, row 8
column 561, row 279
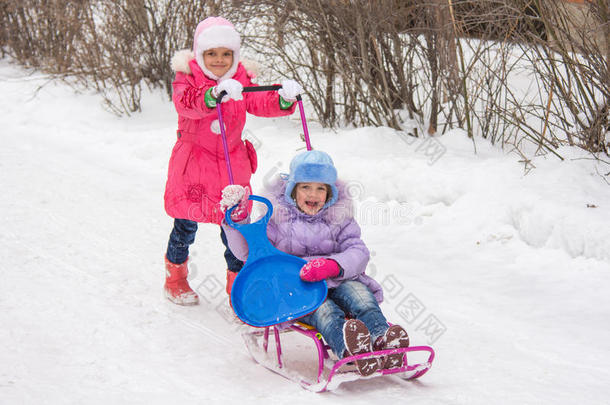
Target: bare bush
column 439, row 63
column 364, row 62
column 419, row 66
column 42, row 33
column 129, row 43
column 115, row 47
column 343, row 51
column 573, row 69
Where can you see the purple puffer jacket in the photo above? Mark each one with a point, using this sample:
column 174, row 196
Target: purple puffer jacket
column 331, row 233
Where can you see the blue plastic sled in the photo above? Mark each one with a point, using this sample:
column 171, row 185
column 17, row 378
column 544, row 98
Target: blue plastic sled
column 268, row 290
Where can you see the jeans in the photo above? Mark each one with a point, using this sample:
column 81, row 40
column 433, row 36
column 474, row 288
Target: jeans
column 349, row 298
column 183, row 235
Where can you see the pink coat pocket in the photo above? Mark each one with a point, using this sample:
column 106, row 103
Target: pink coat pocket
column 252, row 156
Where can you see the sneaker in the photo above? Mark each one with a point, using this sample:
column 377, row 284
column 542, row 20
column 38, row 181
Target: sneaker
column 357, row 341
column 395, row 337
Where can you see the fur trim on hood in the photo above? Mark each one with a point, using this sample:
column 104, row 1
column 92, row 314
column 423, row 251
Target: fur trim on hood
column 181, row 59
column 180, row 63
column 338, row 213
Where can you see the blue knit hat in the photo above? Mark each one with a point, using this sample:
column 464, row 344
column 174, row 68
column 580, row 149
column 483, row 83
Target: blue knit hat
column 312, row 166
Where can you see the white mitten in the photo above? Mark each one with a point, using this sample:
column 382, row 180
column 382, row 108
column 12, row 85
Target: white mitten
column 232, row 87
column 290, row 90
column 234, row 194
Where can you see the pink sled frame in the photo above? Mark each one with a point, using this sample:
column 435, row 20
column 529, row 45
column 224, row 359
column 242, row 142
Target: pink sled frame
column 323, row 354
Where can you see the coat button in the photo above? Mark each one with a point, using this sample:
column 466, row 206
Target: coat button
column 215, row 127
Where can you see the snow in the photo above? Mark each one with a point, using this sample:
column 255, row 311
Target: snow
column 500, row 265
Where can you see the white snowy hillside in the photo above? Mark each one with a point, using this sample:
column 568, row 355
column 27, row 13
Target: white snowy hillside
column 503, row 270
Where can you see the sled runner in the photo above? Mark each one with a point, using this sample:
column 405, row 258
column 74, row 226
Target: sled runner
column 331, row 372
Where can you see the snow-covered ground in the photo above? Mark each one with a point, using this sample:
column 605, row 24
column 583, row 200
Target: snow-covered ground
column 504, row 273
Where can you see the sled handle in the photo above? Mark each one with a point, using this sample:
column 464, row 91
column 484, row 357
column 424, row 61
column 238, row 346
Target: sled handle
column 255, row 233
column 304, row 122
column 263, row 221
column 254, row 89
column 251, row 89
column 224, row 136
column 222, row 124
column 274, row 87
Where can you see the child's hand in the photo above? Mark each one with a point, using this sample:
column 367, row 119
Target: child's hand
column 290, row 90
column 232, row 87
column 319, row 269
column 235, row 194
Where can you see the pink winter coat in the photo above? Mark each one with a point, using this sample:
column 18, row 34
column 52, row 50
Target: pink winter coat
column 197, row 169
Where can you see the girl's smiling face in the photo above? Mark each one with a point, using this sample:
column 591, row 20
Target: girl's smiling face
column 218, row 60
column 311, row 197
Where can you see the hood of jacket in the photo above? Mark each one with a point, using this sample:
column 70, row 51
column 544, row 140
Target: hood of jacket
column 341, row 211
column 184, row 61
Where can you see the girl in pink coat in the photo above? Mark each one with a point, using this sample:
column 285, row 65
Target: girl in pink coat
column 197, row 170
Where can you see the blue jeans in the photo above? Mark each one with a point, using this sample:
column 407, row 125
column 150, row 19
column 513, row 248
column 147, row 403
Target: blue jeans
column 349, row 298
column 183, row 235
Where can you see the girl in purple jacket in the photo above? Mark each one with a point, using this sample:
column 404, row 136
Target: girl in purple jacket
column 313, row 219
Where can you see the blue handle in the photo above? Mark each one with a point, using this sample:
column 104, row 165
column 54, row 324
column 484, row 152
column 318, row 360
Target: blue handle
column 264, row 220
column 256, row 232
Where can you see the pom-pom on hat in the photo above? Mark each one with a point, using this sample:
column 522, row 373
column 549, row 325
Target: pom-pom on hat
column 216, row 32
column 312, row 166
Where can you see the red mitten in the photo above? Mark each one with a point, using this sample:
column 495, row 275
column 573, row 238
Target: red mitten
column 235, row 194
column 319, row 269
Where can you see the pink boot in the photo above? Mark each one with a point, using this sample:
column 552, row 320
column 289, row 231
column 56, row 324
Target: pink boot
column 230, row 279
column 177, row 288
